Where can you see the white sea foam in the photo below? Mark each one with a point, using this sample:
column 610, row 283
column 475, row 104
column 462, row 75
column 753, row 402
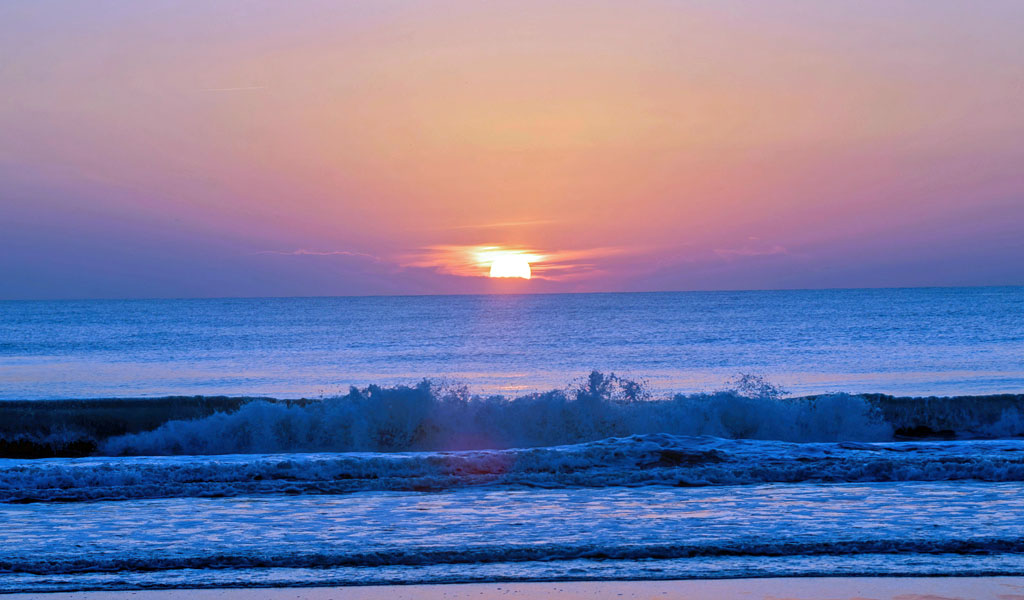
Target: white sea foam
column 430, row 418
column 653, row 459
column 426, row 418
column 581, row 533
column 483, row 554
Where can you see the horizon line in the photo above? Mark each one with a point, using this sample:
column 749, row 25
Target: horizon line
column 442, row 294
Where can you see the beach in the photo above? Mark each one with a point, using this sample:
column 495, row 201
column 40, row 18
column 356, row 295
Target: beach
column 806, row 588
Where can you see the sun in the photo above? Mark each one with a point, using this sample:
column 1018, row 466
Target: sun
column 510, row 264
column 504, row 262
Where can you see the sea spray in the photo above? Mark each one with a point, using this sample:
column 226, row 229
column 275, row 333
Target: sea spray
column 427, row 417
column 430, row 416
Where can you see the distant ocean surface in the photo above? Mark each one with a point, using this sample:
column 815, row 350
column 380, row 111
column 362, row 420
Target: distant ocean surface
column 949, row 341
column 745, row 434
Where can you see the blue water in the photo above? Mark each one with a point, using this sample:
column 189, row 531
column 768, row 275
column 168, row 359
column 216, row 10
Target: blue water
column 945, row 341
column 529, row 471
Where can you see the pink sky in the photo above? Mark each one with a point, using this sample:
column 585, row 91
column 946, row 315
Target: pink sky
column 321, row 148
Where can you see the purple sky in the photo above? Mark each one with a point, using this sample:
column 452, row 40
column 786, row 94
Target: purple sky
column 162, row 149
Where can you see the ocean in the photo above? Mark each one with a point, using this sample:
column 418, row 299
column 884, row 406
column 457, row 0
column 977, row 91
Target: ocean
column 336, row 441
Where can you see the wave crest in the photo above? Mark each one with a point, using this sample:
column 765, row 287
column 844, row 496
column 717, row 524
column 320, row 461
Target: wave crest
column 429, row 417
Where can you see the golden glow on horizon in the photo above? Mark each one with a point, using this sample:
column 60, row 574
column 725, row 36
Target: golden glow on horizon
column 493, row 260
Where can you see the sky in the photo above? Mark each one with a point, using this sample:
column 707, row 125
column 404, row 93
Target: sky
column 266, row 148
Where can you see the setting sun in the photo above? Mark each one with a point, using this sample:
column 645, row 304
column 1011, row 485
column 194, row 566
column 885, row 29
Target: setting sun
column 510, row 264
column 492, row 261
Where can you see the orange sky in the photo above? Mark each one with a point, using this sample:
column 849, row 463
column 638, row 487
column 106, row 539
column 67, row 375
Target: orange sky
column 346, row 147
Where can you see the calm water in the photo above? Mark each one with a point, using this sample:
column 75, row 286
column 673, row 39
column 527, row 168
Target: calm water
column 910, row 341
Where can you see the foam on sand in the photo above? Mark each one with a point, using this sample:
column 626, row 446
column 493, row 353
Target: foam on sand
column 792, row 588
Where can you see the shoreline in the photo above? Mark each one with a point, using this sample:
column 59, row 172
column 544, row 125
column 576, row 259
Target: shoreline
column 791, row 588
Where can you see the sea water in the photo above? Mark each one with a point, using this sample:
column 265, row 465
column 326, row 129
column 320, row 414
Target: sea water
column 940, row 341
column 513, row 462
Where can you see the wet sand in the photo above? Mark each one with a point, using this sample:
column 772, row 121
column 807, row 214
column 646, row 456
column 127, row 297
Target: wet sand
column 806, row 588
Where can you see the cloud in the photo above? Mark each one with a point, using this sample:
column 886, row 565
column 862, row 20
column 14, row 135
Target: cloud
column 247, row 88
column 504, row 224
column 306, row 252
column 749, row 250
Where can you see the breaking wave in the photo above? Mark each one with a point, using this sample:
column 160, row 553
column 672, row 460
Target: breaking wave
column 423, row 418
column 428, row 417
